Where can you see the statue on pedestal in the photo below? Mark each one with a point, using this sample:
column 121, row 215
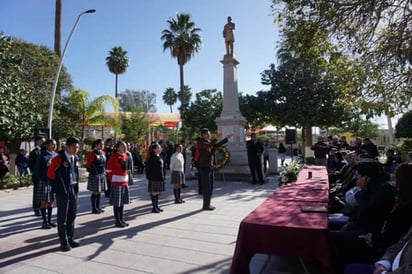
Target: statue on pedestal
column 229, row 35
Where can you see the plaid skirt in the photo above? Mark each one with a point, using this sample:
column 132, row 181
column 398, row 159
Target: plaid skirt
column 156, row 186
column 178, row 177
column 119, row 195
column 97, row 183
column 44, row 192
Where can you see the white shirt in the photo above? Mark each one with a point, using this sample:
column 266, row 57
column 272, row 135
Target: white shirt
column 177, row 162
column 395, row 264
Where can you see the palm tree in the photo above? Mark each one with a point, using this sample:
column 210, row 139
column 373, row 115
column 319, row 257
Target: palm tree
column 117, row 61
column 183, row 40
column 185, row 96
column 57, row 27
column 84, row 112
column 170, row 98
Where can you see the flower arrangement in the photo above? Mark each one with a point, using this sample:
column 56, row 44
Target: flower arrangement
column 222, row 157
column 289, row 173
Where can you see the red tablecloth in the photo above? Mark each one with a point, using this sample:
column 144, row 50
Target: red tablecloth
column 315, row 189
column 279, row 227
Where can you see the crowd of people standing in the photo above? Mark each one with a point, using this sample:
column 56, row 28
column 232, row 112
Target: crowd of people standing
column 111, row 167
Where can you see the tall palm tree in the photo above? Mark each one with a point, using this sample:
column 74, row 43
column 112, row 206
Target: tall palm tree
column 170, row 98
column 117, row 61
column 57, row 27
column 183, row 40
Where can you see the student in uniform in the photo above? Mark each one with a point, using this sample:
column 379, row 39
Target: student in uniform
column 96, row 166
column 45, row 195
column 119, row 180
column 63, row 173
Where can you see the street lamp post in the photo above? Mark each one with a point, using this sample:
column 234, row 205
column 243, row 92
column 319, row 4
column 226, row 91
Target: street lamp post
column 59, row 68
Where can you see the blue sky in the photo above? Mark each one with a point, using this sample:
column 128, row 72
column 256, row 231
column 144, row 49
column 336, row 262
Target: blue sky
column 136, row 26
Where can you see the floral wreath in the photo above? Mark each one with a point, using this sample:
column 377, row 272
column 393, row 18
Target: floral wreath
column 222, row 157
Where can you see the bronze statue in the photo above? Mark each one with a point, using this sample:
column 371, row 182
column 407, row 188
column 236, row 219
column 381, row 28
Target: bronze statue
column 229, row 35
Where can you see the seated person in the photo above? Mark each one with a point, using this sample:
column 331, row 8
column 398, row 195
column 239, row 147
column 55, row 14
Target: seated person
column 391, row 161
column 375, row 200
column 369, row 247
column 342, row 185
column 397, row 259
column 342, row 165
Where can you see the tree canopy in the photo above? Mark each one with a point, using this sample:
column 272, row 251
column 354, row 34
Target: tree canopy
column 403, row 128
column 26, row 75
column 203, row 111
column 374, row 34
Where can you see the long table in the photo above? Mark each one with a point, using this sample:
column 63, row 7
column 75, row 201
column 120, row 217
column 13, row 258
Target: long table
column 279, row 227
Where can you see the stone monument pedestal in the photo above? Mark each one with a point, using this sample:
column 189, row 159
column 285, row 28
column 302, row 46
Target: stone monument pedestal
column 231, row 121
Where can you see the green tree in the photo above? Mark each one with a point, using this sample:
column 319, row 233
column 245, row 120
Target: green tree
column 203, row 112
column 304, row 89
column 134, row 126
column 185, row 95
column 19, row 113
column 34, row 71
column 85, row 112
column 170, row 98
column 251, row 108
column 117, row 62
column 144, row 100
column 376, row 34
column 403, row 128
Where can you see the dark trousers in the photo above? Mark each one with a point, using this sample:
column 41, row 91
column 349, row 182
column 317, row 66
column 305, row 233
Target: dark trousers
column 206, row 176
column 255, row 166
column 36, row 204
column 359, row 269
column 66, row 214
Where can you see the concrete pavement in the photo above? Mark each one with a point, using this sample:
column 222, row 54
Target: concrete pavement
column 182, row 239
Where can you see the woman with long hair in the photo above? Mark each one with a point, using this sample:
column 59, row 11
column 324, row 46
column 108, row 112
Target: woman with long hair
column 96, row 166
column 155, row 176
column 119, row 180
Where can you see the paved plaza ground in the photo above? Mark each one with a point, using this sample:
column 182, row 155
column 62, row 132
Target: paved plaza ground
column 182, row 240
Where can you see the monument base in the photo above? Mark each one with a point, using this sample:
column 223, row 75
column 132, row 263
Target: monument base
column 238, row 167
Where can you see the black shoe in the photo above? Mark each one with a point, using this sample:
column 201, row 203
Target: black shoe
column 208, row 208
column 118, row 224
column 101, row 210
column 182, row 201
column 65, row 248
column 254, row 183
column 46, row 226
column 52, row 224
column 126, row 224
column 160, row 210
column 262, row 182
column 73, row 243
column 184, row 185
column 177, row 201
column 155, row 210
column 96, row 212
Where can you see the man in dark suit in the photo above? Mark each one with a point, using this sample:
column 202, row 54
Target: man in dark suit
column 255, row 150
column 63, row 173
column 397, row 260
column 33, row 156
column 207, row 151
